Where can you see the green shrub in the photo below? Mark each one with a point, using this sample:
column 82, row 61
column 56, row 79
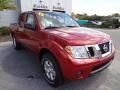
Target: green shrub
column 4, row 31
column 106, row 25
column 92, row 26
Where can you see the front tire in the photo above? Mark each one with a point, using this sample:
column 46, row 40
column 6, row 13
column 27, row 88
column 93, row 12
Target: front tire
column 51, row 71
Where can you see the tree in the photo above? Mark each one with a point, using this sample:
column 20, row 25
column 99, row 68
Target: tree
column 73, row 15
column 6, row 4
column 116, row 15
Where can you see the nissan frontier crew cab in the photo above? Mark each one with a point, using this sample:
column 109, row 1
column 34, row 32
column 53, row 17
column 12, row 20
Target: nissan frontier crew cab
column 65, row 50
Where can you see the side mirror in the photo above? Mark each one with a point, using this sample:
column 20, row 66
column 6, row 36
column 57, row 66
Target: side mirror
column 28, row 26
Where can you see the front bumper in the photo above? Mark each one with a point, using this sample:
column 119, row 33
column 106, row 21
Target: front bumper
column 101, row 67
column 81, row 69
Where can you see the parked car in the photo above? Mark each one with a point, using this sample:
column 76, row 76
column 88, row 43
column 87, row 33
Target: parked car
column 115, row 23
column 82, row 22
column 65, row 50
column 99, row 23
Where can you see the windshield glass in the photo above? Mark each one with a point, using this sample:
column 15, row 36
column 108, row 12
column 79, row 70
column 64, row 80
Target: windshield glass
column 56, row 20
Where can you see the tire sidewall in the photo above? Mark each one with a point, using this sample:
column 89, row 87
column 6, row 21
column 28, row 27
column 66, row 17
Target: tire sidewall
column 16, row 45
column 58, row 80
column 14, row 42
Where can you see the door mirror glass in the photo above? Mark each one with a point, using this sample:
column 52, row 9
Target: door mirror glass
column 28, row 26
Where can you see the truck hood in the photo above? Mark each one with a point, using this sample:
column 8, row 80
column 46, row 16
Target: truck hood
column 80, row 35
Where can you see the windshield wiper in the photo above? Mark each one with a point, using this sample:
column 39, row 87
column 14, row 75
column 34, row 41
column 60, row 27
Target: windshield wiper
column 71, row 26
column 51, row 27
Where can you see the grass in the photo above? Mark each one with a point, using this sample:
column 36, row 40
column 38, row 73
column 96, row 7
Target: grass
column 4, row 34
column 4, row 31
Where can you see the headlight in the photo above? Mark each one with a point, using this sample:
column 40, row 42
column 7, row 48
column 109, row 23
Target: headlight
column 77, row 52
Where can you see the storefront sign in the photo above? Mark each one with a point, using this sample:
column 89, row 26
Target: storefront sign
column 58, row 7
column 40, row 4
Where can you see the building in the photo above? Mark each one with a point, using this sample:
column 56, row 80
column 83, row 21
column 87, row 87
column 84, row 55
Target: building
column 51, row 5
column 10, row 16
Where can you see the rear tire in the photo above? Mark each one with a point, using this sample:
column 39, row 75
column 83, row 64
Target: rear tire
column 16, row 45
column 51, row 71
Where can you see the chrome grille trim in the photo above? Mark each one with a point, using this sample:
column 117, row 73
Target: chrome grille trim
column 100, row 69
column 97, row 50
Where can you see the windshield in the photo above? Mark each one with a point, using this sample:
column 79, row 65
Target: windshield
column 56, row 20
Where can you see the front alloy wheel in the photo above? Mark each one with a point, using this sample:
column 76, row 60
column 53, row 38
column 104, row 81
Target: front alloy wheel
column 51, row 71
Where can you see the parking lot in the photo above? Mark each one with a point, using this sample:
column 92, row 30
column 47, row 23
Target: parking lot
column 19, row 70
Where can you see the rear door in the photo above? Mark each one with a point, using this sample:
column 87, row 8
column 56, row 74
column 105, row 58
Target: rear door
column 20, row 35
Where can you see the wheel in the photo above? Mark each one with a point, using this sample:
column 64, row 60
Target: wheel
column 117, row 26
column 51, row 71
column 16, row 45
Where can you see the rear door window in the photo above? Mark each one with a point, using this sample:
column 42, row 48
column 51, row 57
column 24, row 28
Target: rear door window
column 22, row 19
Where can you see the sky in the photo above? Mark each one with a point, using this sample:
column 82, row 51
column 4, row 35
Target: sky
column 99, row 7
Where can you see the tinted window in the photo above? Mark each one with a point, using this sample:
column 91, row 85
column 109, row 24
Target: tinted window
column 56, row 19
column 31, row 20
column 22, row 19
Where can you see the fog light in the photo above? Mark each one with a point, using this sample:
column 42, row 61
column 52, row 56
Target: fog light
column 79, row 74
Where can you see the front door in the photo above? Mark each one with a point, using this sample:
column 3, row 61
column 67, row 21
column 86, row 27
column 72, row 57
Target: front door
column 31, row 31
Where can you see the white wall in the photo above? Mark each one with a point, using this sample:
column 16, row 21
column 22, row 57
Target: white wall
column 26, row 5
column 10, row 16
column 7, row 17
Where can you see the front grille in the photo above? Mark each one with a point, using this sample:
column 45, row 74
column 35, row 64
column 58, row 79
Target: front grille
column 104, row 48
column 99, row 50
column 91, row 51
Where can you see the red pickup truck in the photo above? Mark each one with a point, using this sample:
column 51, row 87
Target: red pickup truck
column 65, row 50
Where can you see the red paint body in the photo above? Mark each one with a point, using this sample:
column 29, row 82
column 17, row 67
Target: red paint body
column 56, row 40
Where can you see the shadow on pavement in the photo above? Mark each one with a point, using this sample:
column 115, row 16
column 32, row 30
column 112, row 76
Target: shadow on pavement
column 23, row 65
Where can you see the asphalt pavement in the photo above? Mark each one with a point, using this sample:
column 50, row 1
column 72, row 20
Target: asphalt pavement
column 20, row 70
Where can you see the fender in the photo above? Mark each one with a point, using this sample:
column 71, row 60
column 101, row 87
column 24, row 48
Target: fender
column 53, row 47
